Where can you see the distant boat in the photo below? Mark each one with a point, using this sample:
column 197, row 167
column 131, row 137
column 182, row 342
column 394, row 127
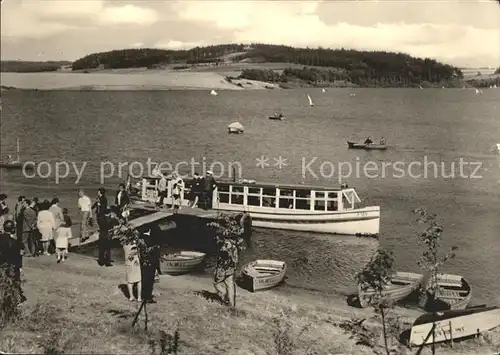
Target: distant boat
column 236, row 128
column 494, row 86
column 213, row 92
column 372, row 146
column 420, row 87
column 277, row 116
column 400, row 286
column 453, row 324
column 181, row 263
column 323, row 90
column 352, row 94
column 263, row 274
column 16, row 164
column 477, row 92
column 310, row 101
column 496, row 148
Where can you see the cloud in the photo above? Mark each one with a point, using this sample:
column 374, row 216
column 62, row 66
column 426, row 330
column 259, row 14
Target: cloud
column 128, row 14
column 39, row 19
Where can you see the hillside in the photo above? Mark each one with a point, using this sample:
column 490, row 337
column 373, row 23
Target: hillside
column 329, row 65
column 17, row 66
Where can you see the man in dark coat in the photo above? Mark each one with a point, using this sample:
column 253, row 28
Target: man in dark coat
column 149, row 266
column 101, row 211
column 122, row 199
column 11, row 260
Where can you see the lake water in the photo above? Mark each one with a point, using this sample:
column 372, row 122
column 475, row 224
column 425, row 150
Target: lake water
column 432, row 125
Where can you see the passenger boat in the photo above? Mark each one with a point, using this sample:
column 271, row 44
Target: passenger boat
column 400, row 286
column 372, row 146
column 263, row 274
column 454, row 291
column 181, row 263
column 454, row 324
column 304, row 208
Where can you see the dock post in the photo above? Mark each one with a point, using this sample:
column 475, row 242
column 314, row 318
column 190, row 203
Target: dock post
column 451, row 335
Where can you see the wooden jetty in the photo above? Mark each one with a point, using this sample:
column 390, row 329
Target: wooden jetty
column 154, row 216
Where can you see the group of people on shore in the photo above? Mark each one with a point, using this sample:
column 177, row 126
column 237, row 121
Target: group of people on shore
column 41, row 228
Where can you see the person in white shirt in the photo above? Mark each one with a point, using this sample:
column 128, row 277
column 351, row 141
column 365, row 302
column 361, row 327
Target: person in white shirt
column 85, row 207
column 177, row 187
column 162, row 190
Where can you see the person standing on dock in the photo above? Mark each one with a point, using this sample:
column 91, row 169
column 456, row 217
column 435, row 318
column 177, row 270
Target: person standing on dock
column 85, row 207
column 19, row 216
column 208, row 184
column 101, row 210
column 177, row 187
column 227, row 260
column 196, row 190
column 162, row 190
column 122, row 200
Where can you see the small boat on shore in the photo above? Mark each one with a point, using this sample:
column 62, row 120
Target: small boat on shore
column 277, row 116
column 371, row 146
column 452, row 325
column 263, row 274
column 182, row 262
column 400, row 286
column 453, row 291
column 17, row 164
column 235, row 128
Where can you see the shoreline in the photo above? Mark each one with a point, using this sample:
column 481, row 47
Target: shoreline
column 93, row 315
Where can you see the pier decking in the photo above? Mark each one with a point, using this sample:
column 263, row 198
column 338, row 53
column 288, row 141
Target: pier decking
column 155, row 216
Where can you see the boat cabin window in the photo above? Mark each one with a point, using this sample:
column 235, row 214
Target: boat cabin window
column 236, row 195
column 253, row 196
column 269, row 197
column 223, row 191
column 302, row 199
column 286, row 199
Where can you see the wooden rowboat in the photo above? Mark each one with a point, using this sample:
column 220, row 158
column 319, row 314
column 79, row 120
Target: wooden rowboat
column 454, row 324
column 400, row 286
column 263, row 274
column 372, row 146
column 181, row 263
column 453, row 291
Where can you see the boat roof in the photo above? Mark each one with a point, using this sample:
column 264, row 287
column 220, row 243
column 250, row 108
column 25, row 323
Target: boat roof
column 252, row 183
column 438, row 316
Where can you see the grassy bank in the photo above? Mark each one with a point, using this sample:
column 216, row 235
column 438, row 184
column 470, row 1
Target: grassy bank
column 77, row 307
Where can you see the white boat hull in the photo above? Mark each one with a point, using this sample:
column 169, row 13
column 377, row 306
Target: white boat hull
column 461, row 327
column 362, row 221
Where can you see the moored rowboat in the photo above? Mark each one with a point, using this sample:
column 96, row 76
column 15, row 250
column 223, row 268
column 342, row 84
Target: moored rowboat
column 263, row 274
column 372, row 146
column 454, row 324
column 181, row 263
column 400, row 286
column 454, row 291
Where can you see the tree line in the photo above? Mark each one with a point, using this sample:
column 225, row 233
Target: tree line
column 16, row 66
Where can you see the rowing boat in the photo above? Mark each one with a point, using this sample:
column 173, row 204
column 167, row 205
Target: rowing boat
column 263, row 274
column 400, row 286
column 371, row 146
column 182, row 262
column 454, row 291
column 455, row 324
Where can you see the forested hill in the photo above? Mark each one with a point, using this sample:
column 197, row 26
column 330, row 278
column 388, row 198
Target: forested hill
column 18, row 66
column 358, row 67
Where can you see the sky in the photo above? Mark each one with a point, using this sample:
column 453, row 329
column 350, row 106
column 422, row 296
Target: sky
column 460, row 32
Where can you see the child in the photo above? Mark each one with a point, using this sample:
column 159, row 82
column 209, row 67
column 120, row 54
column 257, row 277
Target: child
column 63, row 235
column 133, row 271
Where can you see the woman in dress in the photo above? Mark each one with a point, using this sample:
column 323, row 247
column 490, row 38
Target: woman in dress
column 63, row 235
column 46, row 226
column 133, row 271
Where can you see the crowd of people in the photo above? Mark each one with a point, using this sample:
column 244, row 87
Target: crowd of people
column 35, row 228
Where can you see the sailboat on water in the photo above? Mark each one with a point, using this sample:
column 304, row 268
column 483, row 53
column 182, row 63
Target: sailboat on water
column 311, row 103
column 16, row 164
column 213, row 93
